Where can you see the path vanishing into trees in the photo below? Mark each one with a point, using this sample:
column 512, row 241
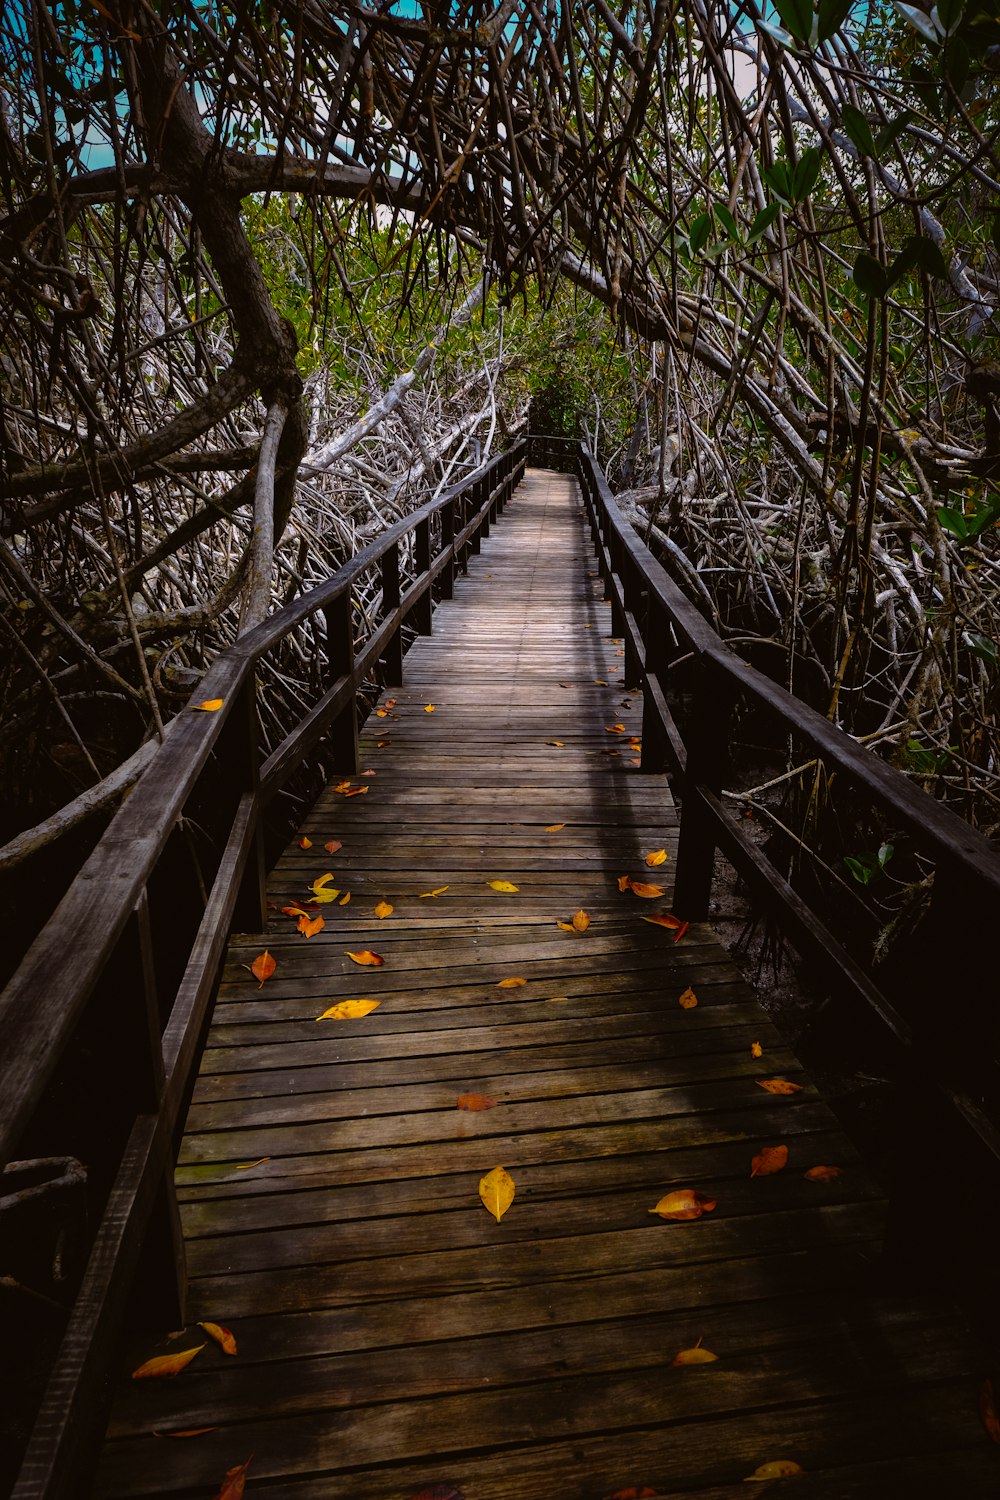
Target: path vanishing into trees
column 392, row 1335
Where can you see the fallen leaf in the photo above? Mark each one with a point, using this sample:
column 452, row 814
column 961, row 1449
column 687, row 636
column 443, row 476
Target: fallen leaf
column 381, row 713
column 497, row 1192
column 695, row 1356
column 559, row 744
column 366, row 958
column 235, row 1483
column 263, row 967
column 210, row 705
column 684, row 1203
column 624, row 882
column 342, row 786
column 321, row 881
column 823, row 1174
column 554, row 999
column 355, row 791
column 756, row 1050
column 612, row 752
column 634, row 761
column 383, row 909
column 600, row 682
column 345, row 898
column 381, row 744
column 326, row 895
column 369, row 773
column 244, row 1166
column 184, row 1432
column 555, row 827
column 222, row 1336
column 439, row 892
column 332, row 846
column 769, row 1159
column 476, row 1102
column 646, row 891
column 664, row 919
column 614, row 728
column 390, row 703
column 309, row 926
column 682, row 929
column 778, row 1086
column 295, row 911
column 510, row 984
column 778, row 1468
column 501, row 885
column 688, row 1000
column 656, row 857
column 166, row 1364
column 988, row 1410
column 581, row 921
column 349, row 1010
column 429, row 708
column 305, row 843
column 439, row 1492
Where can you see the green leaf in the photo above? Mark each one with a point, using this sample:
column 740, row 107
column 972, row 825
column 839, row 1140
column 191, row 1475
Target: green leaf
column 952, row 521
column 763, row 222
column 806, row 174
column 862, row 871
column 869, row 275
column 950, row 13
column 919, row 21
column 784, row 38
column 779, row 180
column 700, row 231
column 920, row 251
column 797, row 16
column 889, row 134
column 727, row 221
column 832, row 15
column 885, row 853
column 857, row 127
column 957, row 63
column 981, row 646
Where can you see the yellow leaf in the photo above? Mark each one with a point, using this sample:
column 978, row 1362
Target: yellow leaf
column 779, row 1086
column 695, row 1356
column 263, row 967
column 345, row 898
column 615, row 728
column 222, row 1336
column 565, row 926
column 244, row 1166
column 305, row 843
column 497, row 1192
column 325, row 896
column 769, row 1160
column 510, row 984
column 366, row 958
column 656, row 856
column 383, row 909
column 558, row 744
column 555, row 999
column 688, row 1000
column 166, row 1364
column 581, row 921
column 349, row 1010
column 210, row 705
column 647, row 892
column 501, row 885
column 756, row 1050
column 429, row 708
column 321, row 881
column 600, row 682
column 439, row 892
column 684, row 1203
column 778, row 1468
column 555, row 827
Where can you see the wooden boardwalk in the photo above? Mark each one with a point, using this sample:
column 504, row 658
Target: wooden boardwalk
column 392, row 1335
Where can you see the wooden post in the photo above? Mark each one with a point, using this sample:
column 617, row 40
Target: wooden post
column 708, row 747
column 424, row 608
column 636, row 602
column 476, row 499
column 343, row 732
column 447, row 584
column 656, row 629
column 392, row 661
column 250, row 912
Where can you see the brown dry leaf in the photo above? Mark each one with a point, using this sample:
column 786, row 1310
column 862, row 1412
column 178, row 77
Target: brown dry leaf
column 656, row 857
column 501, row 885
column 332, row 846
column 580, row 920
column 694, row 1356
column 366, row 958
column 688, row 1000
column 646, row 891
column 210, row 705
column 476, row 1102
column 555, row 827
column 988, row 1410
column 823, row 1174
column 349, row 1010
column 383, row 909
column 263, row 967
column 510, row 984
column 684, row 1203
column 778, row 1086
column 496, row 1190
column 222, row 1336
column 624, row 883
column 778, row 1468
column 769, row 1159
column 305, row 843
column 309, row 926
column 235, row 1483
column 429, row 708
column 756, row 1050
column 439, row 892
column 615, row 728
column 166, row 1364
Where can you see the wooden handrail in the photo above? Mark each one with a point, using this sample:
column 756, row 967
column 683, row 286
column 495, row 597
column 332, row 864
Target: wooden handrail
column 103, row 967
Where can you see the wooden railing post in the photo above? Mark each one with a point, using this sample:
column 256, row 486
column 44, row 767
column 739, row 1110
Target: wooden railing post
column 242, row 765
column 447, row 583
column 707, row 758
column 476, row 500
column 392, row 661
column 424, row 608
column 657, row 638
column 342, row 734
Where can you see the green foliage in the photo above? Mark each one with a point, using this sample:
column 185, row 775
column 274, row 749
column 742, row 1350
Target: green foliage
column 868, row 866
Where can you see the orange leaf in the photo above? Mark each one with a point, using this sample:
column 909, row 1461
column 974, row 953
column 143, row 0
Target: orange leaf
column 647, row 892
column 615, row 728
column 756, row 1050
column 823, row 1174
column 210, row 705
column 988, row 1410
column 349, row 1010
column 684, row 1203
column 565, row 926
column 166, row 1364
column 555, row 827
column 345, row 898
column 305, row 843
column 429, row 708
column 664, row 919
column 381, row 713
column 383, row 909
column 778, row 1468
column 222, row 1336
column 695, row 1356
column 439, row 892
column 510, row 984
column 476, row 1102
column 381, row 744
column 332, row 846
column 688, row 1000
column 356, row 791
column 263, row 967
column 656, row 857
column 624, row 883
column 310, row 926
column 581, row 921
column 295, row 911
column 321, row 881
column 778, row 1086
column 769, row 1160
column 367, row 957
column 390, row 703
column 235, row 1483
column 682, row 929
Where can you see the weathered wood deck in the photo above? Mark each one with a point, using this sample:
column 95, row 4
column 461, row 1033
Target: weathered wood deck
column 392, row 1335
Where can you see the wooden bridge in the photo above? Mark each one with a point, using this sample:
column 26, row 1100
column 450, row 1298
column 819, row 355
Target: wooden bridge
column 496, row 848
